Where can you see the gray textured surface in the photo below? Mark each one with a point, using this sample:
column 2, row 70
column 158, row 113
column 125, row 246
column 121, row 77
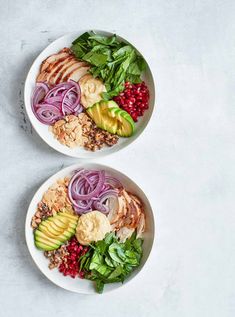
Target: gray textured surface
column 184, row 161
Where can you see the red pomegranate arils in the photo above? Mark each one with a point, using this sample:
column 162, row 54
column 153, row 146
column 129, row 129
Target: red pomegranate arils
column 134, row 99
column 70, row 265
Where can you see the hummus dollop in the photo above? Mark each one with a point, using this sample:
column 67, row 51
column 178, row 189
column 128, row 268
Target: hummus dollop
column 91, row 90
column 92, row 227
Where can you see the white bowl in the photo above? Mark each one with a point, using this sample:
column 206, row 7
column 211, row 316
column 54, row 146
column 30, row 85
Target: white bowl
column 83, row 286
column 42, row 129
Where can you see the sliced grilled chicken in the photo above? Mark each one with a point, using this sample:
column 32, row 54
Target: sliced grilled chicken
column 127, row 216
column 66, row 68
column 54, row 58
column 76, row 74
column 124, row 233
column 61, row 67
column 141, row 226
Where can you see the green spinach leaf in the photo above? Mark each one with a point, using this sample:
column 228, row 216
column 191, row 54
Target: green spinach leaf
column 109, row 261
column 113, row 61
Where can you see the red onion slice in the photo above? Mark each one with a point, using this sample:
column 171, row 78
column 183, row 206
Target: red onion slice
column 101, row 204
column 65, row 97
column 48, row 114
column 91, row 190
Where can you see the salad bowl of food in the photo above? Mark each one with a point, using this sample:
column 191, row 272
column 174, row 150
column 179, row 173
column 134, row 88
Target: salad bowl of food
column 89, row 94
column 89, row 228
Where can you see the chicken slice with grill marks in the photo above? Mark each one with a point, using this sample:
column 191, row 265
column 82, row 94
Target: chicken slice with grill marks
column 49, row 61
column 61, row 67
column 76, row 73
column 67, row 69
column 127, row 216
column 117, row 211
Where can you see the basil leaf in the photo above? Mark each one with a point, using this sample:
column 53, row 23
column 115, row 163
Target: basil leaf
column 84, row 261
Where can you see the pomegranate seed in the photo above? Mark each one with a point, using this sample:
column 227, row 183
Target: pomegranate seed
column 70, row 266
column 134, row 99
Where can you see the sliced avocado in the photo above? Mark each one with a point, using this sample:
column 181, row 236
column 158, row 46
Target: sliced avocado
column 99, row 113
column 68, row 215
column 59, row 229
column 52, row 230
column 51, row 233
column 60, row 224
column 48, row 243
column 108, row 116
column 95, row 113
column 104, row 104
column 109, row 124
column 71, row 231
column 67, row 222
column 41, row 236
column 126, row 125
column 44, row 247
column 55, row 230
column 62, row 219
column 52, row 225
column 57, row 226
column 71, row 218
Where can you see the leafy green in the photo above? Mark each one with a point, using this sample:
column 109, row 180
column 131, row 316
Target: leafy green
column 113, row 61
column 96, row 260
column 116, row 272
column 99, row 286
column 95, row 58
column 114, row 250
column 109, row 261
column 108, row 238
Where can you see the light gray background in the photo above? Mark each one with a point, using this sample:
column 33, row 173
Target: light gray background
column 184, row 161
